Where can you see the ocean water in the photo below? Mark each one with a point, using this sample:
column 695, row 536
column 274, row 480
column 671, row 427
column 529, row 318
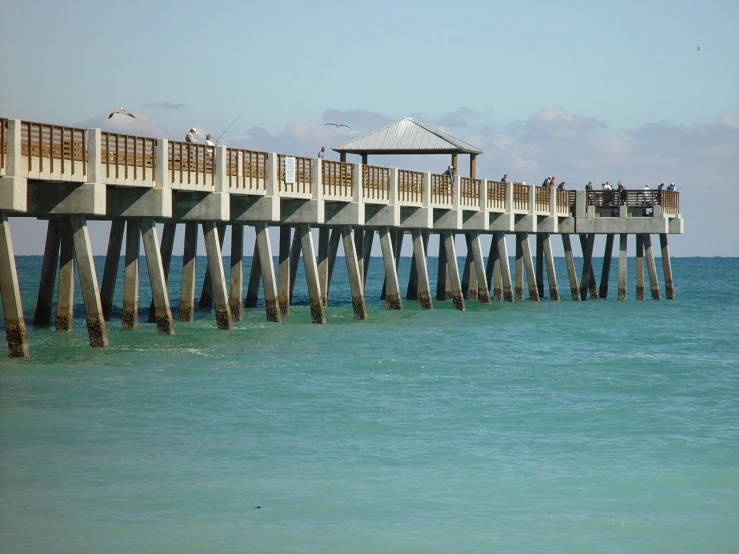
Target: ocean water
column 598, row 426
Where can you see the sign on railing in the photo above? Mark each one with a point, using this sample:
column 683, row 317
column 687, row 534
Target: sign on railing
column 289, row 170
column 302, row 174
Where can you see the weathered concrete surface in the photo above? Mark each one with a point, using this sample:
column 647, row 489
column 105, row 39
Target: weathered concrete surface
column 65, row 296
column 264, row 248
column 206, row 292
column 42, row 316
column 236, row 281
column 639, row 267
column 217, row 275
column 392, row 294
column 157, row 278
column 605, row 273
column 519, row 271
column 165, row 250
column 322, row 262
column 255, row 277
column 651, row 267
column 110, row 272
column 189, row 255
column 130, row 314
column 667, row 268
column 419, row 254
column 284, row 270
column 478, row 269
column 61, row 198
column 529, row 265
column 586, row 243
column 15, row 326
column 622, row 261
column 540, row 264
column 571, row 271
column 317, row 311
column 96, row 328
column 130, row 202
column 551, row 271
column 453, row 270
column 355, row 280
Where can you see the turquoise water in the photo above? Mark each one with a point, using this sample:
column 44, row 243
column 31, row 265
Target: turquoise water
column 599, row 426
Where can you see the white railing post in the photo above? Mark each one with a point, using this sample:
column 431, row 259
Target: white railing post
column 532, row 199
column 456, row 191
column 220, row 183
column 13, row 166
column 357, row 183
column 392, row 185
column 161, row 165
column 316, row 179
column 426, row 198
column 94, row 156
column 509, row 197
column 553, row 202
column 271, row 187
column 483, row 196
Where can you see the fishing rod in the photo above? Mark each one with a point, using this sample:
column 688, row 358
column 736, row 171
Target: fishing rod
column 227, row 128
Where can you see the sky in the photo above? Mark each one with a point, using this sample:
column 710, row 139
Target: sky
column 586, row 91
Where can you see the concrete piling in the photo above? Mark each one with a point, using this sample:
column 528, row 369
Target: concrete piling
column 441, row 272
column 15, row 326
column 622, row 261
column 466, row 270
column 236, row 280
column 605, row 273
column 531, row 276
column 112, row 261
column 165, row 251
column 519, row 271
column 423, row 289
column 571, row 271
column 157, row 277
column 130, row 314
column 65, row 295
column 264, row 248
column 255, row 276
column 317, row 311
column 294, row 261
column 284, row 270
column 217, row 276
column 392, row 293
column 189, row 256
column 453, row 270
column 369, row 237
column 355, row 279
column 551, row 270
column 206, row 293
column 639, row 267
column 96, row 328
column 333, row 249
column 478, row 269
column 651, row 267
column 587, row 280
column 667, row 267
column 539, row 265
column 322, row 262
column 42, row 316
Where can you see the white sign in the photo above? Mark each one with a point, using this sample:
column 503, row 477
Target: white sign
column 289, row 170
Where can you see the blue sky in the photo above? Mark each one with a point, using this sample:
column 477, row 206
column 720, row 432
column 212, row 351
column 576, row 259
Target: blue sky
column 583, row 90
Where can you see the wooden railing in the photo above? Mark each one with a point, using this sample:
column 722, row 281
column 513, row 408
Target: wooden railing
column 375, row 182
column 303, row 175
column 127, row 156
column 3, row 142
column 410, row 186
column 542, row 195
column 337, row 178
column 442, row 189
column 469, row 192
column 563, row 202
column 520, row 197
column 246, row 169
column 57, row 148
column 496, row 195
column 191, row 164
column 670, row 201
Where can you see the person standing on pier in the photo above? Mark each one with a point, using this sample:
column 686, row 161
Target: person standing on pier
column 191, row 137
column 322, row 153
column 504, row 179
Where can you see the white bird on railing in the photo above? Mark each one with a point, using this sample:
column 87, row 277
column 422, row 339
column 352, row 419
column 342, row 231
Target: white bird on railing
column 338, row 125
column 121, row 111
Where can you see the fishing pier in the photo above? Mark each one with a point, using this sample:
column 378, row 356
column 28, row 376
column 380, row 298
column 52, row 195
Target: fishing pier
column 68, row 176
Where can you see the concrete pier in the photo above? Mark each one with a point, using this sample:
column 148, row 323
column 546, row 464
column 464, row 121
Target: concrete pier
column 519, row 271
column 236, row 281
column 96, row 328
column 324, row 234
column 622, row 267
column 15, row 326
column 571, row 271
column 605, row 273
column 65, row 295
column 651, row 267
column 422, row 274
column 551, row 272
column 453, row 270
column 130, row 314
column 42, row 316
column 295, row 250
column 539, row 265
column 392, row 293
column 639, row 267
column 271, row 304
column 110, row 271
column 355, row 278
column 206, row 293
column 478, row 262
column 189, row 256
column 165, row 251
column 502, row 266
column 587, row 281
column 284, row 270
column 317, row 310
column 333, row 248
column 667, row 267
column 157, row 277
column 441, row 273
column 217, row 276
column 529, row 265
column 255, row 276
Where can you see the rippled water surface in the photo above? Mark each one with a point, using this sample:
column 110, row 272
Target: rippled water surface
column 599, row 426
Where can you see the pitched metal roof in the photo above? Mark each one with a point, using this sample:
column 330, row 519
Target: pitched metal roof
column 407, row 137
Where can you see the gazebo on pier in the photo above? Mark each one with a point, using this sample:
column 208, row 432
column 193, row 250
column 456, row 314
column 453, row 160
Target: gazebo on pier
column 408, row 136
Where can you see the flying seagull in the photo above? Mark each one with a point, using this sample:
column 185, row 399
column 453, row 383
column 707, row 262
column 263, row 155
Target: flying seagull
column 122, row 111
column 338, row 125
